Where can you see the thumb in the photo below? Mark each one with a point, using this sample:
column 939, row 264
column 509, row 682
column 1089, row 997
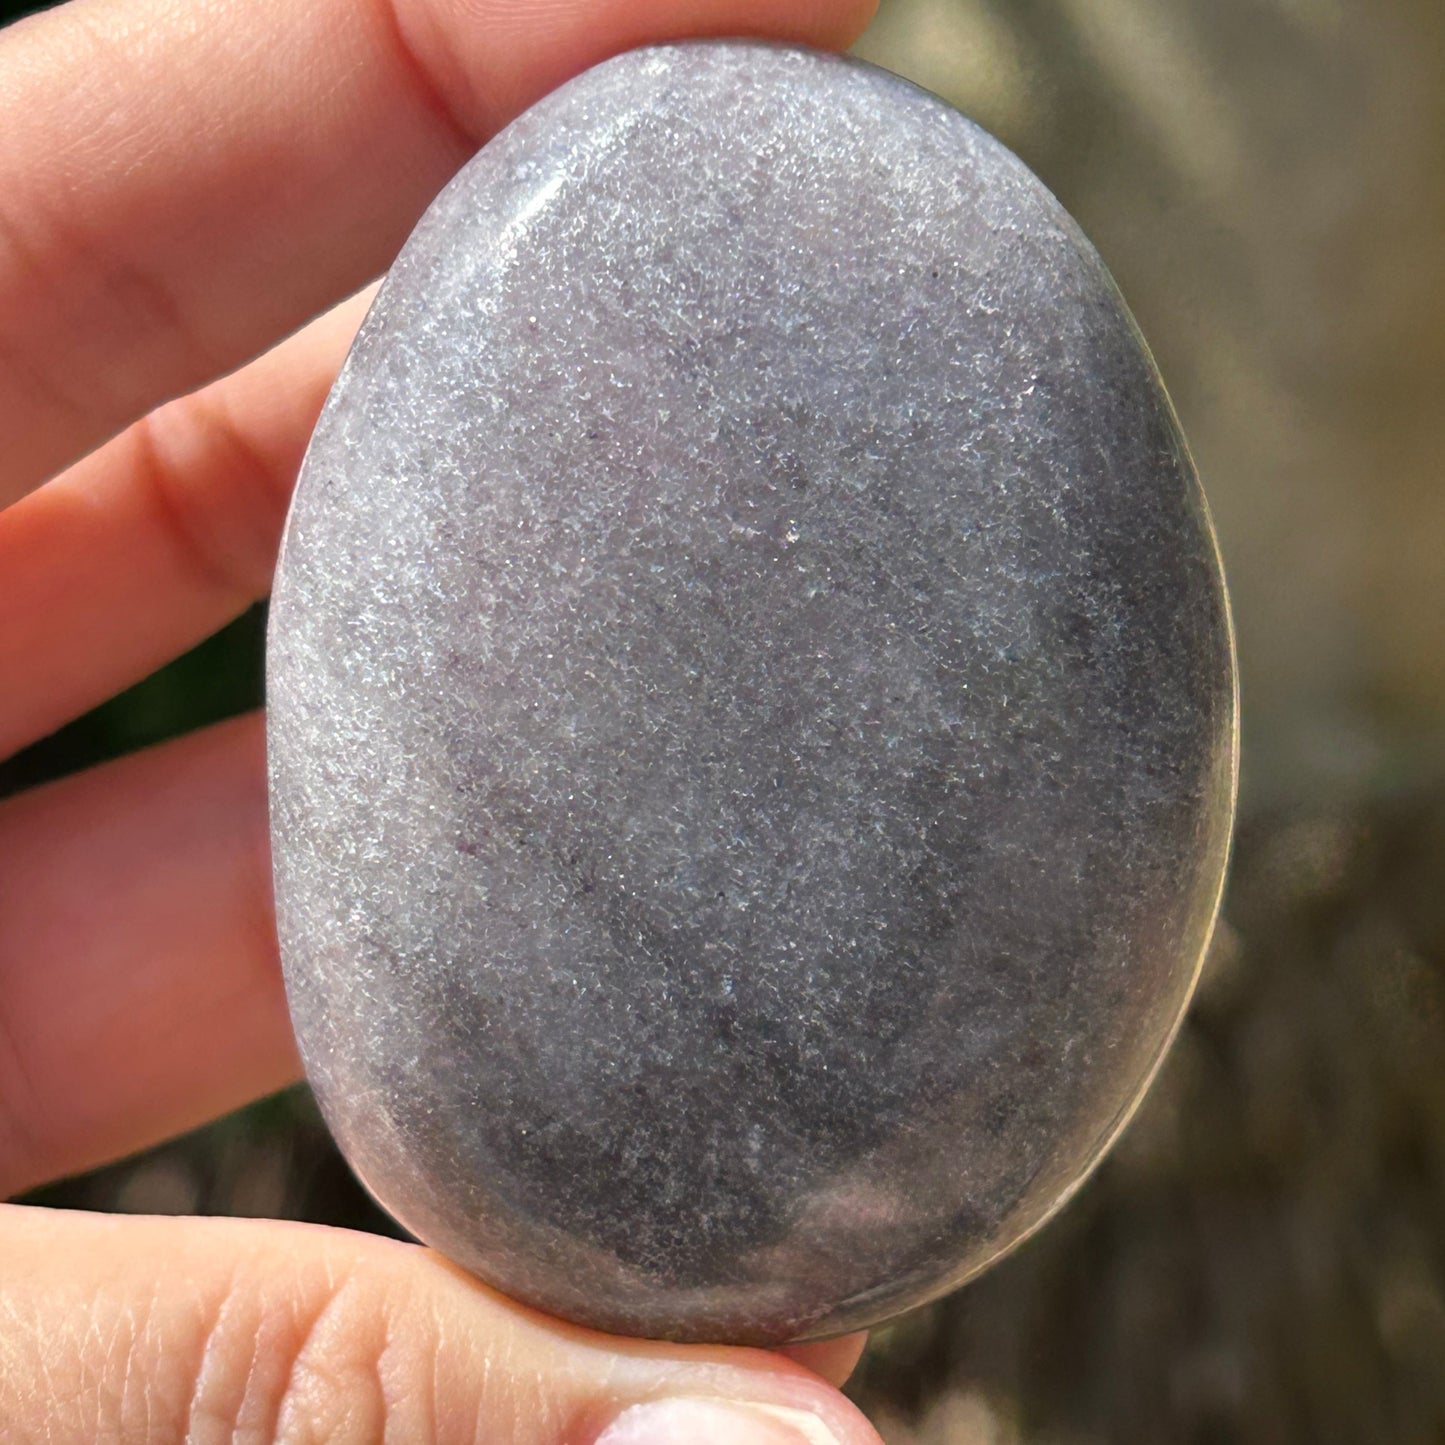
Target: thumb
column 159, row 1330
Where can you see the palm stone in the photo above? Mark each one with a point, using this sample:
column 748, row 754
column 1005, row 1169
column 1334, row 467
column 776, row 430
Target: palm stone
column 752, row 721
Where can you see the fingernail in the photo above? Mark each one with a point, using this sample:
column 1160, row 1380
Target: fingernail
column 715, row 1422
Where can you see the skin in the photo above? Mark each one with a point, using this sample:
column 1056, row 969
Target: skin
column 183, row 183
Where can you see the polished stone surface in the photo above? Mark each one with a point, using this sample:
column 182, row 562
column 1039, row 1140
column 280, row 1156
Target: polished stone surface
column 752, row 712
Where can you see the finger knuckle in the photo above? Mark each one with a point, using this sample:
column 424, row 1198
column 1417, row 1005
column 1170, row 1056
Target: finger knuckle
column 317, row 1366
column 217, row 497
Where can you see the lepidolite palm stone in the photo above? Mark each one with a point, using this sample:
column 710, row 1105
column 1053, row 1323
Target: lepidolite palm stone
column 752, row 706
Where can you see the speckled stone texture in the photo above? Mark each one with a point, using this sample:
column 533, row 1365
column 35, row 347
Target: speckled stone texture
column 752, row 708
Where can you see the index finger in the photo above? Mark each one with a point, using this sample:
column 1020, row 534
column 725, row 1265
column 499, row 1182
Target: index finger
column 182, row 182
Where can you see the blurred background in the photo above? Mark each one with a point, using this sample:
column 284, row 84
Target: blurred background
column 1263, row 1258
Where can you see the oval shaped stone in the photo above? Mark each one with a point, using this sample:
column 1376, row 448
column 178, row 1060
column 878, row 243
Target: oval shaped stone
column 752, row 707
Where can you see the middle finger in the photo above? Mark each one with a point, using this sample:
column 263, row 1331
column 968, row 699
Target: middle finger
column 161, row 537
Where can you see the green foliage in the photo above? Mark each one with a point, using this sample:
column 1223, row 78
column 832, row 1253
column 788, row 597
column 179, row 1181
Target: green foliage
column 218, row 679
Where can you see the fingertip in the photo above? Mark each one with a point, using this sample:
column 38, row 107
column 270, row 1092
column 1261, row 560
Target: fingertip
column 715, row 1422
column 833, row 1360
column 494, row 58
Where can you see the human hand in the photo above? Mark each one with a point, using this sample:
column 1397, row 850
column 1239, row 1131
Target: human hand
column 182, row 182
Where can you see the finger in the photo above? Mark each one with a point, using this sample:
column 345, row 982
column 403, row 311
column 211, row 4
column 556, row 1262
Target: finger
column 207, row 1330
column 139, row 989
column 182, row 182
column 161, row 537
column 834, row 1360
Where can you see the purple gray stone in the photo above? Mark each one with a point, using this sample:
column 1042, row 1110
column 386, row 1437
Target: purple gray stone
column 752, row 707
